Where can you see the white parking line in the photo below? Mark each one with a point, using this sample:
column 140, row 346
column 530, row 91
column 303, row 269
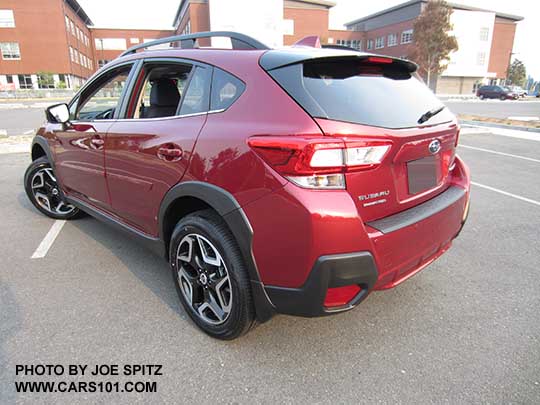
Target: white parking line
column 512, row 133
column 517, row 197
column 28, row 132
column 500, row 153
column 48, row 240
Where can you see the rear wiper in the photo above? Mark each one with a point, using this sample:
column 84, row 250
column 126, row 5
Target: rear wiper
column 431, row 113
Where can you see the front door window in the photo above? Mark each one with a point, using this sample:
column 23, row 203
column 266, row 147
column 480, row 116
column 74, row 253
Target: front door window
column 101, row 100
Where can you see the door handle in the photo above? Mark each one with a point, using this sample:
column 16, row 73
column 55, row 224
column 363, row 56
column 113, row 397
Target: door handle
column 170, row 153
column 97, row 141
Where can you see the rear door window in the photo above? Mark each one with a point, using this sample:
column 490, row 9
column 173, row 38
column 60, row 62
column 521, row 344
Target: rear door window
column 196, row 96
column 225, row 90
column 353, row 90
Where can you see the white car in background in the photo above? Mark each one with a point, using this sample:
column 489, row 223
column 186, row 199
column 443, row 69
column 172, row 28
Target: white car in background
column 518, row 90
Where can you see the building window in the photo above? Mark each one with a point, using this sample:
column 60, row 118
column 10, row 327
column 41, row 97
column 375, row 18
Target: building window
column 72, row 27
column 67, row 22
column 369, row 44
column 392, row 40
column 187, row 28
column 25, row 81
column 111, row 44
column 6, row 19
column 356, row 44
column 481, row 58
column 10, row 50
column 134, row 40
column 484, row 34
column 288, row 27
column 379, row 43
column 102, row 62
column 406, row 37
column 76, row 54
column 46, row 81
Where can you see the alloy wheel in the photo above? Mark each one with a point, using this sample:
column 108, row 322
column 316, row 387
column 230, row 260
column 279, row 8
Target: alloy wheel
column 47, row 193
column 204, row 279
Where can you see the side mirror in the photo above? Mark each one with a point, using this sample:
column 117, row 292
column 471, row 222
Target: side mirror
column 58, row 113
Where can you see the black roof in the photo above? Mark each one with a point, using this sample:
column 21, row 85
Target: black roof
column 76, row 7
column 452, row 5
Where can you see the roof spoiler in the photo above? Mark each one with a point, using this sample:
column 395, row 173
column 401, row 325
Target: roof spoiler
column 274, row 59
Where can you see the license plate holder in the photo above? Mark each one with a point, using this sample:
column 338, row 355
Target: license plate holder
column 422, row 174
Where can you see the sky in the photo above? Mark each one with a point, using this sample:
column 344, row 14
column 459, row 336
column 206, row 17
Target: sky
column 160, row 13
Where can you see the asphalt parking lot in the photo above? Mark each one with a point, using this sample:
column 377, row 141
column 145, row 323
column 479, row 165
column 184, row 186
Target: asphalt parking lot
column 465, row 330
column 529, row 107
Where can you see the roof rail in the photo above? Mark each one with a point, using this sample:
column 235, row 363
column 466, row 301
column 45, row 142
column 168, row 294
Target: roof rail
column 238, row 41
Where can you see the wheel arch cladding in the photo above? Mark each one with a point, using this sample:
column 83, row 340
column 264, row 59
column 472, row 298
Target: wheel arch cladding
column 40, row 148
column 199, row 195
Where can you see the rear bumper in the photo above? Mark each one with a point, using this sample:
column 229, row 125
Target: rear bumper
column 328, row 272
column 403, row 244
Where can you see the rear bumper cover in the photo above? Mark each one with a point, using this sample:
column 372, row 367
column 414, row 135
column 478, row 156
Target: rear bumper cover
column 440, row 218
column 328, row 271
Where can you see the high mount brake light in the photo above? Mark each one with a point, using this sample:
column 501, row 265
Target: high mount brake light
column 315, row 162
column 377, row 59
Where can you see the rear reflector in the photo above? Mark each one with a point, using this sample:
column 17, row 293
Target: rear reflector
column 339, row 296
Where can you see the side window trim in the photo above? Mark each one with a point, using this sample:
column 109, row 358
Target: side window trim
column 126, row 92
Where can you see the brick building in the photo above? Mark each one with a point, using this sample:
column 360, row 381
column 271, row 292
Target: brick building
column 299, row 19
column 54, row 44
column 485, row 40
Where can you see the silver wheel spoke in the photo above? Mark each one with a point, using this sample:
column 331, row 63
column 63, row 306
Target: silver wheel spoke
column 186, row 257
column 43, row 200
column 38, row 176
column 186, row 284
column 220, row 287
column 212, row 305
column 204, row 245
column 50, row 174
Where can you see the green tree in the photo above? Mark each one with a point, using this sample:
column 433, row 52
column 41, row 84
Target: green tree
column 517, row 72
column 432, row 43
column 45, row 80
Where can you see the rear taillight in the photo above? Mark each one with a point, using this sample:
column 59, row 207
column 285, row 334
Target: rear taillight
column 318, row 162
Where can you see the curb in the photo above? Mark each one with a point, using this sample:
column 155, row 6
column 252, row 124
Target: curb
column 495, row 125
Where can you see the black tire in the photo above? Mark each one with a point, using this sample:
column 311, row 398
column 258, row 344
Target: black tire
column 481, row 96
column 209, row 229
column 502, row 98
column 58, row 208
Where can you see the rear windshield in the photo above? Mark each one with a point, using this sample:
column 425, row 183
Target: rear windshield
column 375, row 94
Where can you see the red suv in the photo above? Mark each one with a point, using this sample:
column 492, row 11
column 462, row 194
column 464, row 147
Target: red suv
column 289, row 181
